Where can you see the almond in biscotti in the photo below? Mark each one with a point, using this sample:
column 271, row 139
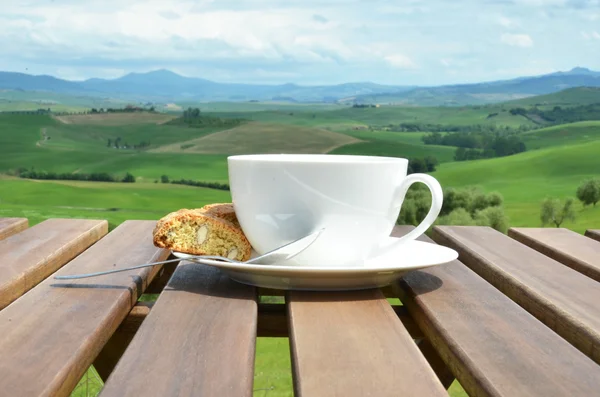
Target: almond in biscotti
column 198, row 233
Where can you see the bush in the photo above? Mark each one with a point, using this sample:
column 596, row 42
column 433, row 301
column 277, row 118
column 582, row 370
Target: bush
column 50, row 175
column 128, row 178
column 458, row 217
column 493, row 217
column 589, row 192
column 461, row 207
column 164, row 179
column 211, row 185
column 555, row 212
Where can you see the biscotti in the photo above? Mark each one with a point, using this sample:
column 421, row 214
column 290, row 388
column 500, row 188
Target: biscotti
column 222, row 211
column 197, row 232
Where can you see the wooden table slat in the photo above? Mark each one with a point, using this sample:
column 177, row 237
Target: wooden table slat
column 29, row 257
column 51, row 335
column 492, row 345
column 10, row 226
column 198, row 340
column 595, row 234
column 562, row 298
column 353, row 344
column 566, row 246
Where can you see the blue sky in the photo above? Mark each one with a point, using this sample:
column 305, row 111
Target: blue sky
column 408, row 42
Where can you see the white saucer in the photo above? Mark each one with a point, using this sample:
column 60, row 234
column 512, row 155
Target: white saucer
column 378, row 271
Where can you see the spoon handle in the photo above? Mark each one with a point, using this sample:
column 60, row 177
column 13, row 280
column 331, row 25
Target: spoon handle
column 124, row 269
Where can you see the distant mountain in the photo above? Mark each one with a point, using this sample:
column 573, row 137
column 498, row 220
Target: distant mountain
column 490, row 92
column 164, row 85
column 27, row 82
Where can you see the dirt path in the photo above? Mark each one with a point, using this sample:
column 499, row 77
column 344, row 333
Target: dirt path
column 43, row 137
column 61, row 119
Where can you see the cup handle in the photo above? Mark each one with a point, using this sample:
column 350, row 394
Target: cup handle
column 437, row 198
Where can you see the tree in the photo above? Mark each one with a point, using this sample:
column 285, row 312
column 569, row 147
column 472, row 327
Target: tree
column 164, row 179
column 555, row 212
column 129, row 178
column 493, row 217
column 109, row 143
column 431, row 162
column 460, row 154
column 458, row 217
column 589, row 192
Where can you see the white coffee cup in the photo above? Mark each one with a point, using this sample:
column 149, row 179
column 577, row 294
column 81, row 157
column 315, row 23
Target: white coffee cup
column 356, row 199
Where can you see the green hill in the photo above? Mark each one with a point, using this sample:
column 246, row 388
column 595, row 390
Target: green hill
column 42, row 143
column 569, row 97
column 254, row 137
column 115, row 202
column 527, row 178
column 394, row 144
column 564, row 134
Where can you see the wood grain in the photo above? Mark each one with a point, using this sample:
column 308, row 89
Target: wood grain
column 112, row 351
column 51, row 335
column 353, row 344
column 273, row 321
column 29, row 257
column 198, row 340
column 10, row 226
column 595, row 234
column 492, row 345
column 564, row 245
column 562, row 298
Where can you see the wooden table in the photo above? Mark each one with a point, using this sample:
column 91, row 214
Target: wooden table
column 518, row 315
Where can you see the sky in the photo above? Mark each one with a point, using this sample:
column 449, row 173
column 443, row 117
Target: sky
column 308, row 42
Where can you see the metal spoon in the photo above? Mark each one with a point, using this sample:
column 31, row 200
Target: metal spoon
column 280, row 254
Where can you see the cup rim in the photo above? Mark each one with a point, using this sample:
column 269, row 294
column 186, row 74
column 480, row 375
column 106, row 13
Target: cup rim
column 320, row 158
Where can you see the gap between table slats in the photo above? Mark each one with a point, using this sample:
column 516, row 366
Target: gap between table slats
column 51, row 335
column 492, row 345
column 198, row 340
column 562, row 298
column 29, row 257
column 353, row 344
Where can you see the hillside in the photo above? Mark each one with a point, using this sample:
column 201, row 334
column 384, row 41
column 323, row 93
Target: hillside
column 114, row 119
column 115, row 202
column 257, row 137
column 569, row 97
column 527, row 178
column 564, row 134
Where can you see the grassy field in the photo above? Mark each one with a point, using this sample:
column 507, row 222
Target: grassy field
column 394, row 144
column 112, row 119
column 115, row 202
column 345, row 118
column 256, row 137
column 527, row 178
column 564, row 134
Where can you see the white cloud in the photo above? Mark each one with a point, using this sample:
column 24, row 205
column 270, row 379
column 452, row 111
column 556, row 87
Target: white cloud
column 302, row 41
column 593, row 35
column 517, row 40
column 400, row 61
column 506, row 22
